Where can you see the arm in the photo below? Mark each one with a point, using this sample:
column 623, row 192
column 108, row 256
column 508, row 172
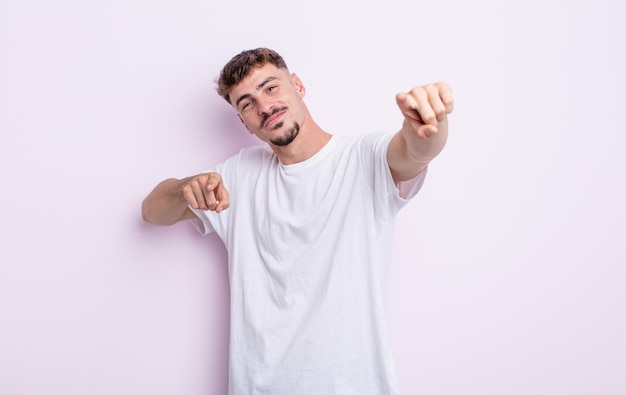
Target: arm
column 424, row 130
column 168, row 202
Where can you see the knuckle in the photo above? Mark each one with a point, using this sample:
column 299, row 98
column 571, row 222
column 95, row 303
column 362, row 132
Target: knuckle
column 430, row 117
column 188, row 192
column 440, row 111
column 419, row 91
column 431, row 88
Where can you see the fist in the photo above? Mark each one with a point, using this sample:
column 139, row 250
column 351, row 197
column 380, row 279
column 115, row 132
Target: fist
column 206, row 192
column 426, row 107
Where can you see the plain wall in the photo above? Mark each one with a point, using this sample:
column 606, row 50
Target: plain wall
column 509, row 267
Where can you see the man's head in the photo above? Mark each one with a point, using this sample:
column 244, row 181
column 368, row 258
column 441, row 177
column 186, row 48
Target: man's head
column 240, row 66
column 267, row 98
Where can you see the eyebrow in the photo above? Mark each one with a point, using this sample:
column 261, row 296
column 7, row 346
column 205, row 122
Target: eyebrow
column 258, row 88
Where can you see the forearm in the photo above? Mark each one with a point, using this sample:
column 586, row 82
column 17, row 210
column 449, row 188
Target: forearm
column 166, row 204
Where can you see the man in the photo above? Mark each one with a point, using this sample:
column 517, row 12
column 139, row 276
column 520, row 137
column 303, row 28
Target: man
column 307, row 221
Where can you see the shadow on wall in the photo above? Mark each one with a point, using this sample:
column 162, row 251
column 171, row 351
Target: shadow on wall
column 214, row 134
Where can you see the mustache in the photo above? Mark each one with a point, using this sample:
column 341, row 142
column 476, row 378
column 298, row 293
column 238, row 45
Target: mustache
column 267, row 116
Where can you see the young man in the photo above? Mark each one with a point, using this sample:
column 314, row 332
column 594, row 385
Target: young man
column 307, row 220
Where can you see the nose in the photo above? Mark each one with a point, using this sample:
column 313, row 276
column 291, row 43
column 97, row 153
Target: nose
column 264, row 106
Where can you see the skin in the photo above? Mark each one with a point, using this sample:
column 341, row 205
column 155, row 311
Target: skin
column 269, row 102
column 424, row 131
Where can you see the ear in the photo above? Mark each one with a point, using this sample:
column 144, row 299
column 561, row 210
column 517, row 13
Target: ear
column 297, row 82
column 244, row 124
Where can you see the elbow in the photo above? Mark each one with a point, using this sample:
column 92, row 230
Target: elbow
column 145, row 215
column 154, row 216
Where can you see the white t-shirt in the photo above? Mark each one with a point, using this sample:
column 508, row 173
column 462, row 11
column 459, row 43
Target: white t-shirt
column 308, row 248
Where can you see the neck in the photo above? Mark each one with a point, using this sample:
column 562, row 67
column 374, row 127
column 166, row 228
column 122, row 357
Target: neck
column 309, row 142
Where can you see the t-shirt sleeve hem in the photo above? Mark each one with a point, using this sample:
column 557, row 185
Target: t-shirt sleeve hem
column 409, row 188
column 201, row 222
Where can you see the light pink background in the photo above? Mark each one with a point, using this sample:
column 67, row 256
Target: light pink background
column 508, row 273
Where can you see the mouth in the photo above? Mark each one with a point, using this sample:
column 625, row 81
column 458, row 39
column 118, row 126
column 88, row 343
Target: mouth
column 273, row 118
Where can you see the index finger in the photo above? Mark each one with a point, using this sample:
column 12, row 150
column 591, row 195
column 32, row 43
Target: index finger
column 213, row 181
column 418, row 101
column 408, row 108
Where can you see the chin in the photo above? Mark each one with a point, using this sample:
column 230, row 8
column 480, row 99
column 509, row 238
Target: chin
column 287, row 138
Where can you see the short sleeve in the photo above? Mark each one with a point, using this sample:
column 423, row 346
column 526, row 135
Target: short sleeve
column 409, row 188
column 236, row 172
column 389, row 197
column 202, row 222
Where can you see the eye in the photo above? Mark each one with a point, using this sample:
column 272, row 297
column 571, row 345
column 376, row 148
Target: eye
column 246, row 104
column 272, row 88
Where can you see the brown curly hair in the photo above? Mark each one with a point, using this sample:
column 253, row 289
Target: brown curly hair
column 241, row 65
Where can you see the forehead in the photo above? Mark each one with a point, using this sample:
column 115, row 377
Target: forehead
column 252, row 82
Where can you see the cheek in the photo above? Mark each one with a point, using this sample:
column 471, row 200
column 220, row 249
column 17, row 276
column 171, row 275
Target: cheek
column 245, row 123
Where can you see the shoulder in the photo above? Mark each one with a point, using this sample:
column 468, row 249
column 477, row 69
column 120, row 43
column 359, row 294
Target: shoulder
column 371, row 138
column 254, row 155
column 366, row 143
column 375, row 139
column 247, row 164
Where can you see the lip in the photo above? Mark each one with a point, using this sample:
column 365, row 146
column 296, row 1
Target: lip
column 274, row 119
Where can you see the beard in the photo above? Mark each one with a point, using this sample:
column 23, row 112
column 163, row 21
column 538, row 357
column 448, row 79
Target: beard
column 288, row 137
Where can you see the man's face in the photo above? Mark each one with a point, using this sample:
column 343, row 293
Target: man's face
column 269, row 102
